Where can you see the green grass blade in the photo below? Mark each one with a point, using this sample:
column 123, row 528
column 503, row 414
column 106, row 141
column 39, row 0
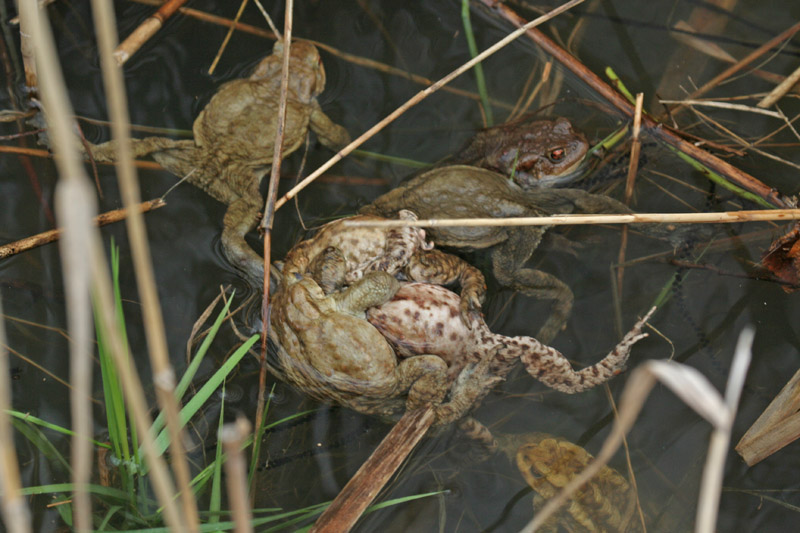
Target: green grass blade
column 36, row 437
column 215, row 500
column 196, row 403
column 480, row 81
column 26, row 417
column 191, row 370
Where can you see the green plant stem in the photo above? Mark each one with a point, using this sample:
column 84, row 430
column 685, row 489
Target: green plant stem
column 480, row 81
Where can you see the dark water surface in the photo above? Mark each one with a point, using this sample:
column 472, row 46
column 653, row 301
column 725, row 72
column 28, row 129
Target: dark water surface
column 168, row 84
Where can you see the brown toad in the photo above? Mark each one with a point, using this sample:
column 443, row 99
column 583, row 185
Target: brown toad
column 423, row 318
column 400, row 251
column 461, row 191
column 548, row 463
column 327, row 349
column 234, row 138
column 541, row 153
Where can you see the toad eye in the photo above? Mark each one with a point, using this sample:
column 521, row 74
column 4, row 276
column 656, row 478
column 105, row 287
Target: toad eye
column 557, row 154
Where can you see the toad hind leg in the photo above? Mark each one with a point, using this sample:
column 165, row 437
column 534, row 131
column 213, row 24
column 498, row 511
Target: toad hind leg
column 550, row 367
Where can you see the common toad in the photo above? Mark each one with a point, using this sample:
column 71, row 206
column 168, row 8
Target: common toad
column 606, row 503
column 462, row 191
column 327, row 349
column 234, row 138
column 541, row 153
column 422, row 318
column 402, row 251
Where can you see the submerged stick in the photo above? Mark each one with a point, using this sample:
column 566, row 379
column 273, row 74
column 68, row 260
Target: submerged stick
column 362, row 488
column 725, row 217
column 46, row 237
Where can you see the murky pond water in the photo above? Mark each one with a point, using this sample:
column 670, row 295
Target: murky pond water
column 309, row 461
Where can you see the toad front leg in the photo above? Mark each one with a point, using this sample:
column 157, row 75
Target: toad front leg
column 507, row 263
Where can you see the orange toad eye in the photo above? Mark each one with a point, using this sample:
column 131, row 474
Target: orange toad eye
column 557, row 154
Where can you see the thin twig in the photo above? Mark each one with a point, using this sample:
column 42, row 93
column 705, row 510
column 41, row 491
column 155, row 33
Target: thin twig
column 725, row 105
column 227, row 38
column 46, row 237
column 629, row 183
column 421, row 96
column 758, row 215
column 266, row 225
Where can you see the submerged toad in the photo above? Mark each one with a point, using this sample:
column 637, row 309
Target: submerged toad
column 541, row 153
column 422, row 318
column 606, row 503
column 462, row 191
column 327, row 349
column 233, row 142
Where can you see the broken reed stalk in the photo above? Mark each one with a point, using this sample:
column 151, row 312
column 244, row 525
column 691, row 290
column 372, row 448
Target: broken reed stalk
column 376, row 471
column 421, row 96
column 266, row 224
column 613, row 97
column 46, row 237
column 163, row 374
column 780, row 90
column 232, row 437
column 726, row 217
column 145, row 30
column 13, row 506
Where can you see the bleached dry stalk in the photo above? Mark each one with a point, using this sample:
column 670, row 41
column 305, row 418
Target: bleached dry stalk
column 232, row 436
column 728, row 217
column 421, row 96
column 76, row 207
column 16, row 515
column 163, row 374
column 695, row 390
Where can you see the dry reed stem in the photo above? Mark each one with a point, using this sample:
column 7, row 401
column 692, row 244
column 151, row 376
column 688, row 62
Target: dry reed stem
column 725, row 105
column 613, row 97
column 163, row 374
column 75, row 205
column 421, row 96
column 145, row 30
column 749, row 58
column 725, row 217
column 15, row 512
column 227, row 38
column 365, row 484
column 269, row 216
column 780, row 91
column 232, row 437
column 46, row 237
column 633, row 167
column 694, row 390
column 78, row 203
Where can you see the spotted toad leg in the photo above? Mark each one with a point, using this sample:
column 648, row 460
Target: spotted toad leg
column 401, row 244
column 440, row 268
column 550, row 367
